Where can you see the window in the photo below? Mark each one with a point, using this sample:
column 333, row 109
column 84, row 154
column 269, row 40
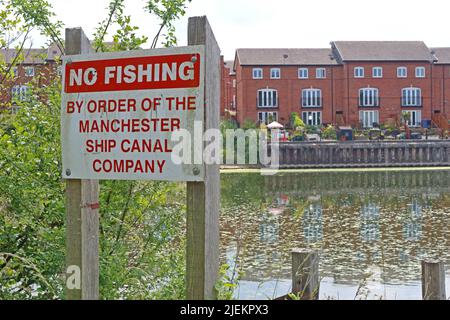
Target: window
column 411, row 97
column 257, row 73
column 267, row 98
column 359, row 72
column 377, row 72
column 414, row 117
column 29, row 71
column 19, row 93
column 312, row 118
column 303, row 73
column 368, row 118
column 234, row 83
column 420, row 72
column 321, row 73
column 402, row 72
column 369, row 97
column 15, row 71
column 267, row 117
column 311, row 98
column 275, row 73
column 234, row 102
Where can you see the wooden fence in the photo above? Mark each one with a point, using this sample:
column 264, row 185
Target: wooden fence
column 364, row 154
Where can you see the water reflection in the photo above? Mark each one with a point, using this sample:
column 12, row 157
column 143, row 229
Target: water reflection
column 372, row 229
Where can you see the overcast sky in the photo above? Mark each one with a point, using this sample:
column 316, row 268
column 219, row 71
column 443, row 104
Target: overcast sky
column 286, row 23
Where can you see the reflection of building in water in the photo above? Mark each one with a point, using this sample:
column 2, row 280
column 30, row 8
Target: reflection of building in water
column 313, row 222
column 269, row 229
column 415, row 209
column 370, row 226
column 342, row 210
column 412, row 228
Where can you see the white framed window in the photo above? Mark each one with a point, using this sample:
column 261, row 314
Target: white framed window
column 377, row 72
column 402, row 72
column 411, row 97
column 234, row 102
column 311, row 98
column 312, row 118
column 369, row 97
column 267, row 98
column 359, row 72
column 19, row 92
column 414, row 118
column 368, row 118
column 420, row 72
column 257, row 73
column 275, row 73
column 234, row 83
column 321, row 73
column 267, row 117
column 29, row 71
column 303, row 73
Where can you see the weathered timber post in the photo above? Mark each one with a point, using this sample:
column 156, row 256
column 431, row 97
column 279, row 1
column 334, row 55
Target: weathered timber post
column 433, row 281
column 305, row 274
column 82, row 214
column 203, row 198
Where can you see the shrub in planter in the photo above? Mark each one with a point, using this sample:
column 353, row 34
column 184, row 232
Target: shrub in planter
column 329, row 133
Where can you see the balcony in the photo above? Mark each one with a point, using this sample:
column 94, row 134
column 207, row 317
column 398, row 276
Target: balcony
column 411, row 102
column 267, row 103
column 311, row 103
column 375, row 103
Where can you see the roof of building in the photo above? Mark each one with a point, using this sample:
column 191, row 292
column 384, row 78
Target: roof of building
column 229, row 64
column 285, row 57
column 382, row 51
column 442, row 55
column 31, row 56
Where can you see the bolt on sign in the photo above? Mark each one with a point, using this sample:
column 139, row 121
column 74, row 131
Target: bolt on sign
column 119, row 111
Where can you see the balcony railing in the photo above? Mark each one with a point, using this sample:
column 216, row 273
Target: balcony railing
column 375, row 103
column 259, row 105
column 312, row 103
column 411, row 102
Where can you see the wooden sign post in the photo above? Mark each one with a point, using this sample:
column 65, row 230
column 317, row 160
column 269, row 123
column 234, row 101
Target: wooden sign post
column 112, row 101
column 82, row 214
column 203, row 198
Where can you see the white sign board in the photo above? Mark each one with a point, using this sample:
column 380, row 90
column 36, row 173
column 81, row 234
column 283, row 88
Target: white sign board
column 119, row 111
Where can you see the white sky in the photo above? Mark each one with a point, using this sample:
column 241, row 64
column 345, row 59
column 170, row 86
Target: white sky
column 285, row 23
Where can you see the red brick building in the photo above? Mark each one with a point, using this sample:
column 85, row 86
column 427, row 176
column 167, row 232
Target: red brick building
column 356, row 83
column 39, row 65
column 228, row 90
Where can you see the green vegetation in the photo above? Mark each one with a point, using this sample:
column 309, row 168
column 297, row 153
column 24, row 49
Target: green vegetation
column 142, row 240
column 329, row 133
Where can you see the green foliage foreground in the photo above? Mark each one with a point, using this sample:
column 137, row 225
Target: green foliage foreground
column 142, row 236
column 142, row 223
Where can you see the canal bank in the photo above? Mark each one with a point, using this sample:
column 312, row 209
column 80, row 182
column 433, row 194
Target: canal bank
column 365, row 154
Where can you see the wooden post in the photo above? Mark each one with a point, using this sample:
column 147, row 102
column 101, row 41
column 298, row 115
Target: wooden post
column 305, row 274
column 433, row 281
column 82, row 212
column 203, row 198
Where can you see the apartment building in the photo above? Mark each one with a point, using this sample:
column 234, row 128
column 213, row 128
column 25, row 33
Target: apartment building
column 228, row 89
column 38, row 65
column 358, row 83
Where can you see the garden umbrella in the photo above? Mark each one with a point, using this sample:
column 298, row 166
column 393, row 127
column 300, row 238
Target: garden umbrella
column 275, row 125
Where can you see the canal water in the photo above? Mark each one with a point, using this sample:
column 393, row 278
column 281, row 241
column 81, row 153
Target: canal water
column 372, row 229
